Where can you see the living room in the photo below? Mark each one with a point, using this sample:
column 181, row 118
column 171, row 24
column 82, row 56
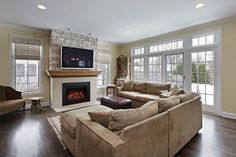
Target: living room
column 128, row 60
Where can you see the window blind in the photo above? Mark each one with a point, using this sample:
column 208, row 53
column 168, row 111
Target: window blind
column 28, row 49
column 104, row 56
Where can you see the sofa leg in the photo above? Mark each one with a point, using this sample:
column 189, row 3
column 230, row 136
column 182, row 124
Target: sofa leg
column 24, row 107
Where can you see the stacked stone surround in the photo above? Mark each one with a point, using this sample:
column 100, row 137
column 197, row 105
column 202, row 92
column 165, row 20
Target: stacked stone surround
column 59, row 38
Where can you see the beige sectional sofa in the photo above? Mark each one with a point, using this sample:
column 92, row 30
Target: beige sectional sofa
column 140, row 93
column 161, row 135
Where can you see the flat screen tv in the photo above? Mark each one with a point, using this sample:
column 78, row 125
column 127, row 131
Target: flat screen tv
column 76, row 58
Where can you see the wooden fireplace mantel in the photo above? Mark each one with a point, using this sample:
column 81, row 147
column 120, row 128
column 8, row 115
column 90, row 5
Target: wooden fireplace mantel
column 72, row 73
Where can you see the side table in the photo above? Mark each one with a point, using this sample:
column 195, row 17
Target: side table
column 112, row 87
column 36, row 103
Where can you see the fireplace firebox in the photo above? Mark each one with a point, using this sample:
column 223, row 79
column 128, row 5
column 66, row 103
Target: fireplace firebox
column 73, row 93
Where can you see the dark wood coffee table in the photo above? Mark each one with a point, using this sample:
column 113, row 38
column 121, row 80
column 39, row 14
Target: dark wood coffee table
column 116, row 102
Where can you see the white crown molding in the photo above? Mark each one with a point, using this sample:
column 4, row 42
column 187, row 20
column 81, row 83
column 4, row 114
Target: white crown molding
column 24, row 28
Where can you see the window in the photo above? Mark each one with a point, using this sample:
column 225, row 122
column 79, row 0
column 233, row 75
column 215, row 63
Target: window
column 138, row 51
column 138, row 69
column 168, row 46
column 103, row 78
column 175, row 69
column 103, row 64
column 203, row 40
column 203, row 75
column 27, row 64
column 155, row 69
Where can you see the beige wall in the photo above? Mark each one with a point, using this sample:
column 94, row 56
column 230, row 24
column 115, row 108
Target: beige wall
column 228, row 56
column 5, row 57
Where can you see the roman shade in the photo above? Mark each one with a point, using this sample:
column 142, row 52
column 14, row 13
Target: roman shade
column 103, row 56
column 28, row 49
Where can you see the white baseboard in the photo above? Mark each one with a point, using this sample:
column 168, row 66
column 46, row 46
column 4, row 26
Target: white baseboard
column 228, row 115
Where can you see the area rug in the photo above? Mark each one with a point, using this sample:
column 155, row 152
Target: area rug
column 56, row 125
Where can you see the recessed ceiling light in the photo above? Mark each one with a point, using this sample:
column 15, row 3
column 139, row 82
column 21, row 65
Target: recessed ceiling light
column 41, row 7
column 199, row 5
column 127, row 32
column 69, row 29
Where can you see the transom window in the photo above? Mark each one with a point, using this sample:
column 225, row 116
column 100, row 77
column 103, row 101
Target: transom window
column 203, row 40
column 27, row 64
column 139, row 51
column 155, row 69
column 168, row 46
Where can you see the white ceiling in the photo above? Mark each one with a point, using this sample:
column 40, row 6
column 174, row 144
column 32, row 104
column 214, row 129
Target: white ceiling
column 109, row 19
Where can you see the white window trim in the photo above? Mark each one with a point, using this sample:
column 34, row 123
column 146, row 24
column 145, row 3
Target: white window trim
column 12, row 61
column 187, row 50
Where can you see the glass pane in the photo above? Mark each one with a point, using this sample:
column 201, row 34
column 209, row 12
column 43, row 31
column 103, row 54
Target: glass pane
column 194, row 57
column 209, row 66
column 201, row 56
column 174, row 45
column 180, row 44
column 209, row 56
column 210, row 39
column 210, row 100
column 202, row 40
column 195, row 42
column 202, row 88
column 209, row 89
column 203, row 98
column 194, row 87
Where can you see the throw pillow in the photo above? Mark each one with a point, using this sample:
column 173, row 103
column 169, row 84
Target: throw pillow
column 140, row 87
column 157, row 89
column 128, row 86
column 100, row 117
column 165, row 104
column 2, row 93
column 186, row 96
column 176, row 90
column 119, row 119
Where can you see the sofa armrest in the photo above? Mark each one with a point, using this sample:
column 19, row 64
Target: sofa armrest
column 118, row 89
column 148, row 137
column 12, row 94
column 93, row 139
column 185, row 120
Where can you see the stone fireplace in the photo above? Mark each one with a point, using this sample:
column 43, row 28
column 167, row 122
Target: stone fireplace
column 77, row 92
column 71, row 89
column 72, row 83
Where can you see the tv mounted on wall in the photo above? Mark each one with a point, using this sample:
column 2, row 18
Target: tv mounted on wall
column 76, row 58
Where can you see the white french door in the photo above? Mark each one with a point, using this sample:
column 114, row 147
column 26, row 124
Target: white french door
column 203, row 78
column 174, row 69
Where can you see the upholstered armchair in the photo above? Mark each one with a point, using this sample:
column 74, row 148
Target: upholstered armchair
column 10, row 100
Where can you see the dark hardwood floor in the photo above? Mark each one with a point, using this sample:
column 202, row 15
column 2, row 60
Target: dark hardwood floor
column 28, row 134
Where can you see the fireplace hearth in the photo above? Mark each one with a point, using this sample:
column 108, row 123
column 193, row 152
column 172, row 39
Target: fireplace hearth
column 74, row 93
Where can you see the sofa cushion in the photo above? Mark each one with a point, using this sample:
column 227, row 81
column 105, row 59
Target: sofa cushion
column 100, row 117
column 68, row 119
column 2, row 93
column 128, row 94
column 157, row 88
column 119, row 119
column 140, row 87
column 128, row 86
column 176, row 90
column 146, row 97
column 186, row 96
column 9, row 105
column 165, row 104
